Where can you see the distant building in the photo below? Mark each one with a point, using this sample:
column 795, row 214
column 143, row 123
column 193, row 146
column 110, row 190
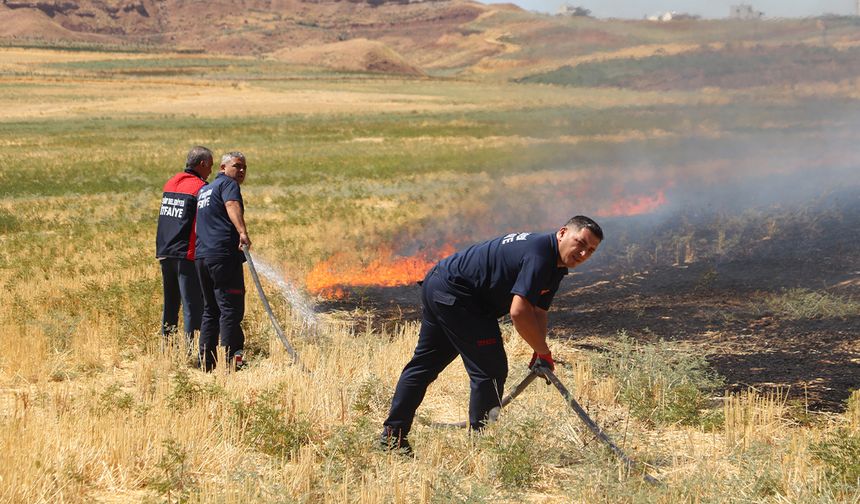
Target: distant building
column 664, row 17
column 744, row 11
column 674, row 16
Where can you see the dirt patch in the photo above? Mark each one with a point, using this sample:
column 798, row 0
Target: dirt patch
column 27, row 23
column 358, row 55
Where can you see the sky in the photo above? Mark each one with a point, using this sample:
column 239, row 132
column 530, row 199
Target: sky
column 637, row 9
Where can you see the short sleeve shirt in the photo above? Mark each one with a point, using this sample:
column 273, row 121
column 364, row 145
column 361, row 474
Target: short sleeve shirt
column 217, row 237
column 492, row 272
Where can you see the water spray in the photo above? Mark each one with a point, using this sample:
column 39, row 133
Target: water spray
column 299, row 303
column 275, row 324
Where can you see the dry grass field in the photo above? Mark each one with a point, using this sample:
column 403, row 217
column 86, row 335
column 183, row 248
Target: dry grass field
column 92, row 409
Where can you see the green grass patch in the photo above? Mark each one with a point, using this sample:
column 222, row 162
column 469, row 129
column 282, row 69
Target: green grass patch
column 186, row 66
column 799, row 304
column 516, row 453
column 729, row 68
column 269, row 427
column 97, row 47
column 664, row 383
column 839, row 451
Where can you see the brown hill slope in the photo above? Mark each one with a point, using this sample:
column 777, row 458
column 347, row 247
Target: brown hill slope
column 356, row 55
column 440, row 37
column 34, row 23
column 265, row 25
column 421, row 33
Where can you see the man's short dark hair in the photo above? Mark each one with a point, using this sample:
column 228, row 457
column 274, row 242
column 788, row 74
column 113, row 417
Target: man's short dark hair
column 581, row 221
column 197, row 155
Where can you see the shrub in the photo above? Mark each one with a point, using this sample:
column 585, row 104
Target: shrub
column 114, row 399
column 269, row 428
column 372, row 395
column 173, row 482
column 662, row 383
column 516, row 453
column 186, row 391
column 349, row 446
column 840, row 454
column 8, row 222
column 796, row 304
column 449, row 488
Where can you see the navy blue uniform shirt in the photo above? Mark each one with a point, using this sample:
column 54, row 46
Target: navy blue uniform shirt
column 488, row 275
column 217, row 237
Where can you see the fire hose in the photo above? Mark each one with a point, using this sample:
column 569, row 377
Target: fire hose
column 630, row 464
column 268, row 308
column 542, row 371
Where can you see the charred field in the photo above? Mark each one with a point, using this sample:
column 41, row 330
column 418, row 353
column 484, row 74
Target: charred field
column 744, row 247
column 761, row 311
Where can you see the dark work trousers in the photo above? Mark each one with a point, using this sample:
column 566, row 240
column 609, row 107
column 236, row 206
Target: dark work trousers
column 181, row 286
column 451, row 325
column 222, row 281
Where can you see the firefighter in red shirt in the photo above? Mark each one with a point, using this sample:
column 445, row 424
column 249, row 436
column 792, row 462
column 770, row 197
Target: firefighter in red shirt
column 174, row 244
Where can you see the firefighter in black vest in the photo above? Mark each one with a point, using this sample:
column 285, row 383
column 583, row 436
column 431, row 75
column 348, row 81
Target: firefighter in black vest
column 464, row 295
column 174, row 244
column 221, row 234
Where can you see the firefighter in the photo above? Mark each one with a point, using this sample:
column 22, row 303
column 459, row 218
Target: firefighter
column 174, row 245
column 462, row 298
column 221, row 234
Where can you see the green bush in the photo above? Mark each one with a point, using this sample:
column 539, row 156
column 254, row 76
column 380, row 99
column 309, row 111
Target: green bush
column 174, row 482
column 662, row 383
column 114, row 399
column 449, row 488
column 840, row 454
column 372, row 395
column 516, row 453
column 796, row 304
column 270, row 428
column 186, row 392
column 349, row 448
column 8, row 222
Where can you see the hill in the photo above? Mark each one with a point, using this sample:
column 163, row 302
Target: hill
column 456, row 37
column 357, row 55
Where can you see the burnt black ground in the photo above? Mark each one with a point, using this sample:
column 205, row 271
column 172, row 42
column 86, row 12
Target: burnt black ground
column 712, row 302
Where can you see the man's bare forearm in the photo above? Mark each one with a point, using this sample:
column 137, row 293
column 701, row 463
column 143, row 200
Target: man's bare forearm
column 531, row 324
column 237, row 217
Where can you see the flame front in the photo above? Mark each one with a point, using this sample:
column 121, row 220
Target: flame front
column 331, row 277
column 334, row 277
column 634, row 206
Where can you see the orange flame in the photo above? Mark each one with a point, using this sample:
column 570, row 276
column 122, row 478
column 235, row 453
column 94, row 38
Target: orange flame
column 330, row 277
column 634, row 206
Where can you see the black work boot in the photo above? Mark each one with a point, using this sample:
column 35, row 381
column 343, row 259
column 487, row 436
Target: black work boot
column 391, row 440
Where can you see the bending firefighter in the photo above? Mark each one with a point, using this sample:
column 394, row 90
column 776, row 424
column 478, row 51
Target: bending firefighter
column 462, row 298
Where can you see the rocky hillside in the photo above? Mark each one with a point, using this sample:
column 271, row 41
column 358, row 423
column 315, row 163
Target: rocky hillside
column 448, row 37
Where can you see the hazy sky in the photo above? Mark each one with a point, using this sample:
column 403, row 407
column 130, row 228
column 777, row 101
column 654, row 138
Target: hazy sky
column 706, row 8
